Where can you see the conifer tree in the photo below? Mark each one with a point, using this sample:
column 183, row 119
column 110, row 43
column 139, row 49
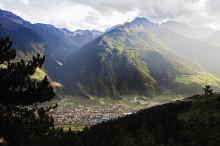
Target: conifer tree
column 19, row 123
column 17, row 88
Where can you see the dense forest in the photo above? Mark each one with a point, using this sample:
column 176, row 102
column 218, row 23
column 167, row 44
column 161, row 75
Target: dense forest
column 194, row 121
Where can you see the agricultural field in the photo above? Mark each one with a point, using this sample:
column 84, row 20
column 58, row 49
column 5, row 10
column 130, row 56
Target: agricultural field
column 202, row 78
column 77, row 112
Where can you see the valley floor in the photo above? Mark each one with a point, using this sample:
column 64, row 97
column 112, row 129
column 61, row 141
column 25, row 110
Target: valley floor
column 80, row 112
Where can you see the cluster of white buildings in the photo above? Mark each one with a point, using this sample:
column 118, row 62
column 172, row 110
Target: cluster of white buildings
column 81, row 116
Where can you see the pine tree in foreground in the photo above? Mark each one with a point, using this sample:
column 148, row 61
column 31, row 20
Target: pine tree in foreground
column 22, row 124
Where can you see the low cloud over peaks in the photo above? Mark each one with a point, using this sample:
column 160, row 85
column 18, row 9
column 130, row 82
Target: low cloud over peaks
column 101, row 14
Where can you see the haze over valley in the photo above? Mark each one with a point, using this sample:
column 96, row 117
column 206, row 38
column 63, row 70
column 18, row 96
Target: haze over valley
column 136, row 64
column 138, row 57
column 104, row 73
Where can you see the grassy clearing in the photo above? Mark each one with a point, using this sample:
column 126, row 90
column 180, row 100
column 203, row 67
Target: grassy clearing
column 1, row 140
column 202, row 78
column 66, row 128
column 3, row 66
column 184, row 80
column 127, row 103
column 102, row 102
column 39, row 74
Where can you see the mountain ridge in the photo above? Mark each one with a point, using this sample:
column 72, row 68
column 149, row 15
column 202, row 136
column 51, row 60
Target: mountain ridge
column 31, row 39
column 105, row 66
column 138, row 57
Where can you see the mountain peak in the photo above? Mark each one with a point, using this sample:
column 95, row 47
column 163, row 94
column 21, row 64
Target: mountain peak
column 3, row 12
column 140, row 20
column 10, row 15
column 13, row 17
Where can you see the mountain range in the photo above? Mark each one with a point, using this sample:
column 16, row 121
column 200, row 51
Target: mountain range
column 55, row 43
column 138, row 57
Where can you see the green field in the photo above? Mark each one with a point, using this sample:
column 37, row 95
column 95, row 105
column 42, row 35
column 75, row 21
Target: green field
column 66, row 128
column 3, row 66
column 202, row 78
column 39, row 74
column 126, row 103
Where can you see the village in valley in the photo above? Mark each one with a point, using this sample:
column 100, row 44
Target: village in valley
column 79, row 111
column 81, row 115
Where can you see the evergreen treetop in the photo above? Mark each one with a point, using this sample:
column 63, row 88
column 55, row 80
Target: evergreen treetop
column 17, row 88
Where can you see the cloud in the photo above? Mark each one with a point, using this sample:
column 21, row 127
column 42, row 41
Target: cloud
column 193, row 12
column 1, row 6
column 213, row 6
column 42, row 7
column 102, row 22
column 25, row 2
column 106, row 6
column 101, row 14
column 79, row 16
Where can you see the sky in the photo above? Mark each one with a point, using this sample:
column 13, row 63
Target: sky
column 102, row 14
